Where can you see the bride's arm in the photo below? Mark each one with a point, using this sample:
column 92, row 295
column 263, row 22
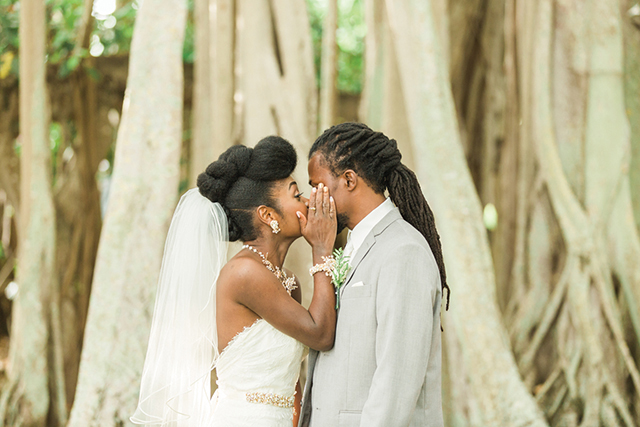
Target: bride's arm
column 258, row 289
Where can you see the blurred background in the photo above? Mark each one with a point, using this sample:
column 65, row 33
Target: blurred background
column 521, row 119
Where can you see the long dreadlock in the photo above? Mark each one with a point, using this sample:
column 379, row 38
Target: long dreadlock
column 377, row 160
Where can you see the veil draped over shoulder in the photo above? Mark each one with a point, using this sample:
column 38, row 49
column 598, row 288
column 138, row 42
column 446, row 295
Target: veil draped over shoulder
column 175, row 388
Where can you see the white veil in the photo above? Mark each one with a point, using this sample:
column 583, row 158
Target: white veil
column 175, row 388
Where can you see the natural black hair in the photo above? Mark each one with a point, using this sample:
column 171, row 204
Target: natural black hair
column 243, row 178
column 377, row 160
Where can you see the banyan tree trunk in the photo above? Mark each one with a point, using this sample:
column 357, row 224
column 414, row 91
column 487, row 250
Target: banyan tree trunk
column 575, row 278
column 275, row 88
column 549, row 143
column 143, row 194
column 631, row 36
column 29, row 396
column 329, row 67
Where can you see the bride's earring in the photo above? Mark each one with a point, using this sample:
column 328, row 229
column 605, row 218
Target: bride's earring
column 275, row 227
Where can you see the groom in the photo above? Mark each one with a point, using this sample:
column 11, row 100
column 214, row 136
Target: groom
column 385, row 367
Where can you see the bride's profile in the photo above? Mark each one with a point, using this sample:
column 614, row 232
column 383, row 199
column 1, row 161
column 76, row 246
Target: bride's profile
column 242, row 317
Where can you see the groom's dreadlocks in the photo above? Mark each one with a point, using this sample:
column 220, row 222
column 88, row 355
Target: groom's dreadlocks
column 376, row 159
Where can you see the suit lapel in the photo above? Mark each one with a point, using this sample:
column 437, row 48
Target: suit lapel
column 369, row 241
column 362, row 251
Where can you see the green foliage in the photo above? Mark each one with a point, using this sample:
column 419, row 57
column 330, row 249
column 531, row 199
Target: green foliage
column 110, row 35
column 340, row 272
column 55, row 143
column 188, row 51
column 55, row 137
column 64, row 17
column 9, row 22
column 9, row 43
column 349, row 37
column 113, row 33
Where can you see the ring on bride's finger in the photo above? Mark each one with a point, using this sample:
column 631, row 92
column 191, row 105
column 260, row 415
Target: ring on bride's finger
column 312, row 209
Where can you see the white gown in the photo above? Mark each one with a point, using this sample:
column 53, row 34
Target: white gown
column 257, row 362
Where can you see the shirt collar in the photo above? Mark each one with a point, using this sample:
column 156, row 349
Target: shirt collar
column 364, row 227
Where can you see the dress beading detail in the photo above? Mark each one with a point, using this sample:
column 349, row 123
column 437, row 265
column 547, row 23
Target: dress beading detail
column 271, row 399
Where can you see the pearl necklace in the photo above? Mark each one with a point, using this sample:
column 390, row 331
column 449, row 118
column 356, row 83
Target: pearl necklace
column 289, row 283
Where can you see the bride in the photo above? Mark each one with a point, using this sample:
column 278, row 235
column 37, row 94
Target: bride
column 242, row 317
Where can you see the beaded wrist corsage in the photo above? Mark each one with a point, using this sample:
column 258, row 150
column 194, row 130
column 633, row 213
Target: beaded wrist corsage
column 328, row 266
column 335, row 266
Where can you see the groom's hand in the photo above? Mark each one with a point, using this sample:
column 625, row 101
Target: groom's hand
column 320, row 228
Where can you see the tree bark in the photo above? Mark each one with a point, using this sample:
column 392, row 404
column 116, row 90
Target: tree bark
column 201, row 129
column 222, row 86
column 9, row 161
column 77, row 202
column 276, row 66
column 142, row 197
column 631, row 36
column 213, row 113
column 560, row 255
column 479, row 87
column 329, row 70
column 591, row 214
column 28, row 397
column 383, row 103
column 275, row 87
column 79, row 222
column 571, row 291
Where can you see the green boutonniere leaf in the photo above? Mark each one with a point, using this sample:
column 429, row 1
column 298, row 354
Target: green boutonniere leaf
column 339, row 273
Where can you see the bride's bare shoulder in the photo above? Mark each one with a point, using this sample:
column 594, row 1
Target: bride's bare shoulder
column 240, row 267
column 241, row 270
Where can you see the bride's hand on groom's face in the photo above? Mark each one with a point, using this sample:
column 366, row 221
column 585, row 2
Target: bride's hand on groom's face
column 319, row 227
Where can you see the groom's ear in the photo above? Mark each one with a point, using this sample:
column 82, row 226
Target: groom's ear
column 351, row 179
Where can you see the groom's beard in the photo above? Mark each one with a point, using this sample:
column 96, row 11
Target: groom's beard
column 343, row 220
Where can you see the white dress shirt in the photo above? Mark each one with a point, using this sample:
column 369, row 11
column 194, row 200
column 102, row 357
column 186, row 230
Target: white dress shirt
column 356, row 237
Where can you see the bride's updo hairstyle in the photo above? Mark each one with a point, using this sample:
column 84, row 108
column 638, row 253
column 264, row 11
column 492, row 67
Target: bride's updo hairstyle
column 243, row 178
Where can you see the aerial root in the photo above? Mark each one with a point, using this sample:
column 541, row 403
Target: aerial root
column 548, row 317
column 616, row 401
column 610, row 311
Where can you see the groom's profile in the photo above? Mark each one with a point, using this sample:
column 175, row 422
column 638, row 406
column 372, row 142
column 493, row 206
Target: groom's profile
column 385, row 367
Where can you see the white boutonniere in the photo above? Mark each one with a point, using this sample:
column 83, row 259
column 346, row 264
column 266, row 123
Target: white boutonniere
column 339, row 272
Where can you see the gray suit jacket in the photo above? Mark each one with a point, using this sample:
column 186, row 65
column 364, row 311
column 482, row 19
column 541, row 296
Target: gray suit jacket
column 385, row 367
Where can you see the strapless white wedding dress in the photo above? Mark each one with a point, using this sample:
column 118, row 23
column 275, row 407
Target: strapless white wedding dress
column 257, row 375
